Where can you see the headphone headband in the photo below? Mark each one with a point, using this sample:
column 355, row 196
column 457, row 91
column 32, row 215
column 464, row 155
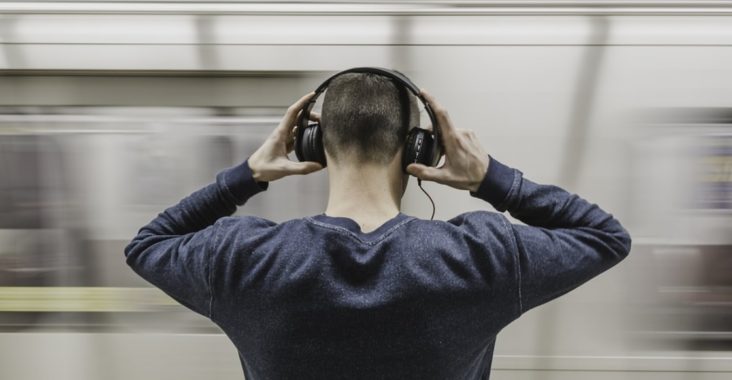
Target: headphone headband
column 395, row 75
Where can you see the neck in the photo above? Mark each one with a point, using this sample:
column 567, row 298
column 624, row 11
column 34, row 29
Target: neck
column 369, row 194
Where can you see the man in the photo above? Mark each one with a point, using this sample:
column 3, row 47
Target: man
column 364, row 290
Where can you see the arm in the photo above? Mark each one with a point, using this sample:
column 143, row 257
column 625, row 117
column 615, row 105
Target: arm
column 566, row 240
column 174, row 250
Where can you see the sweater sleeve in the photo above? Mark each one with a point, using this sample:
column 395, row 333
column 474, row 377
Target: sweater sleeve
column 173, row 251
column 565, row 241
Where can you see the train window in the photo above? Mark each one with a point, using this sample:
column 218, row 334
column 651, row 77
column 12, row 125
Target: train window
column 78, row 182
column 684, row 158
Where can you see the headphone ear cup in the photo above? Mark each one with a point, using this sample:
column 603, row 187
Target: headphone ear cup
column 311, row 145
column 300, row 142
column 317, row 145
column 418, row 148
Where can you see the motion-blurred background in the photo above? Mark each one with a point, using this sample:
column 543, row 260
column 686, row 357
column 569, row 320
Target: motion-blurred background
column 111, row 111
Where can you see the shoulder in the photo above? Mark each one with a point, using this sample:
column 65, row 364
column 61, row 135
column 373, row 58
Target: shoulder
column 484, row 228
column 234, row 228
column 469, row 222
column 251, row 226
column 244, row 220
column 481, row 222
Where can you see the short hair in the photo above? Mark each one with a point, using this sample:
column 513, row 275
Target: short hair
column 366, row 117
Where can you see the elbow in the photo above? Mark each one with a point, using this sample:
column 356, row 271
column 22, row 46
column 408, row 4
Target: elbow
column 624, row 242
column 135, row 247
column 132, row 252
column 617, row 238
column 135, row 253
column 617, row 241
column 130, row 247
column 138, row 243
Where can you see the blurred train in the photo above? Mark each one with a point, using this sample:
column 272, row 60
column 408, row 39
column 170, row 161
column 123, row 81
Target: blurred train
column 111, row 111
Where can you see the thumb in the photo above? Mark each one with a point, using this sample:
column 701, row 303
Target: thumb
column 426, row 172
column 302, row 167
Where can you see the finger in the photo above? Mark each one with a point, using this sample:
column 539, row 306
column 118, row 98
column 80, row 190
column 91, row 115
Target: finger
column 441, row 115
column 291, row 130
column 465, row 133
column 287, row 130
column 302, row 167
column 427, row 173
column 315, row 116
column 293, row 111
column 290, row 145
column 300, row 103
column 428, row 97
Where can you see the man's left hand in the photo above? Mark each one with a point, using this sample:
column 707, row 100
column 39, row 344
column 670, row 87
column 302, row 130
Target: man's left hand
column 270, row 161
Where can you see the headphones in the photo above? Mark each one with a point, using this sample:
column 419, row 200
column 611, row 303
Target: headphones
column 421, row 146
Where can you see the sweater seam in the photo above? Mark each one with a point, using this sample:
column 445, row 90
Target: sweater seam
column 516, row 257
column 354, row 236
column 215, row 241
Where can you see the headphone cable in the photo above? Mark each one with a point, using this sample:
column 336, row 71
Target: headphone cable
column 419, row 183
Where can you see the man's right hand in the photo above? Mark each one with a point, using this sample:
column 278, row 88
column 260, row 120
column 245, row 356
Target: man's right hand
column 270, row 161
column 466, row 162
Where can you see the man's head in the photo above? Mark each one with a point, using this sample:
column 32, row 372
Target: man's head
column 366, row 117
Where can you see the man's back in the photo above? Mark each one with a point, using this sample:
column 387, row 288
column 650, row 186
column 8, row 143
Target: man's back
column 317, row 298
column 320, row 299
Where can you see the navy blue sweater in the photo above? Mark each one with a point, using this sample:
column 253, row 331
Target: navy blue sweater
column 414, row 299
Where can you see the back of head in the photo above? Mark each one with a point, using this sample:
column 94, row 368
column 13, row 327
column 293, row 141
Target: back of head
column 366, row 117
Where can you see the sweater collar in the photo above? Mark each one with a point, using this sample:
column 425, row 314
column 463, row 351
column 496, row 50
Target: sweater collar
column 353, row 226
